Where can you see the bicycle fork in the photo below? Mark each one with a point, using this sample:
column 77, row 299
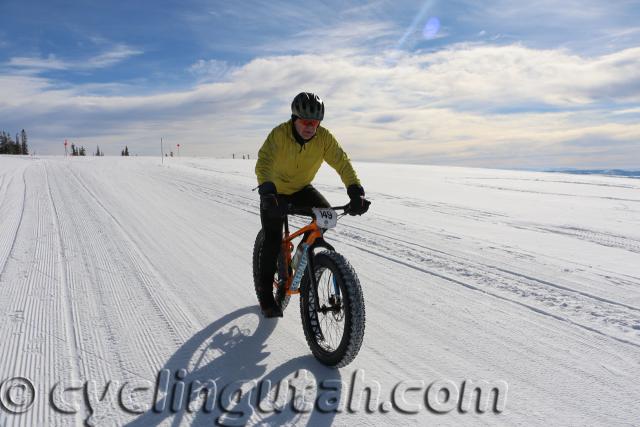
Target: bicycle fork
column 313, row 296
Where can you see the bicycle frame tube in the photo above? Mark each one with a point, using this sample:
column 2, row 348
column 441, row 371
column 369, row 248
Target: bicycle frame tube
column 287, row 247
column 313, row 228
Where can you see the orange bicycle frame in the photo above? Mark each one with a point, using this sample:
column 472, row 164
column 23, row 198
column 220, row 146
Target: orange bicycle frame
column 287, row 248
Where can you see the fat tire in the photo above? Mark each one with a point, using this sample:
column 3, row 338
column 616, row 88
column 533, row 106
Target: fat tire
column 353, row 303
column 282, row 300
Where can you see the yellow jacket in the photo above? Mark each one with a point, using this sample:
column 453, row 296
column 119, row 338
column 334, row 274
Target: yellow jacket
column 291, row 167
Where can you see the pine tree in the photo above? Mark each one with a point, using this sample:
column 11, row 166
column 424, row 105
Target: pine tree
column 74, row 150
column 126, row 150
column 82, row 151
column 10, row 146
column 4, row 143
column 25, row 146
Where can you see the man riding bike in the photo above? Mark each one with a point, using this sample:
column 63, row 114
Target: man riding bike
column 287, row 163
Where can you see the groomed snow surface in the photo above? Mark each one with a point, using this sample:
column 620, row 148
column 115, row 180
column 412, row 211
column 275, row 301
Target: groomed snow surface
column 129, row 271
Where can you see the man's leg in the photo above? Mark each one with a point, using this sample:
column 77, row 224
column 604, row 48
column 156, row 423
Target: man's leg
column 309, row 197
column 272, row 228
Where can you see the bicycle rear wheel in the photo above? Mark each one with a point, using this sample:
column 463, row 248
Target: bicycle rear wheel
column 333, row 314
column 278, row 288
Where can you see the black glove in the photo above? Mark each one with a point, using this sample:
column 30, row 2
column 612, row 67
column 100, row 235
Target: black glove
column 358, row 204
column 269, row 200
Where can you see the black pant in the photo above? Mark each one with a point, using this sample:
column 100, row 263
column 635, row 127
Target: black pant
column 307, row 197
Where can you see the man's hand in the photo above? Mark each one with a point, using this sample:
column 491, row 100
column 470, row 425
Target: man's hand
column 358, row 204
column 269, row 200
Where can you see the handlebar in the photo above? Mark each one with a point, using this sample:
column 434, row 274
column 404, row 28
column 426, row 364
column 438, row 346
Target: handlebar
column 291, row 210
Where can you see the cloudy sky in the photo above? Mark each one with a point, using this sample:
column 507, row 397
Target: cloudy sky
column 507, row 84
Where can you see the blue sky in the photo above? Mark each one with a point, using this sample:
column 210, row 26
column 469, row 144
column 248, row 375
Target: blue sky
column 491, row 84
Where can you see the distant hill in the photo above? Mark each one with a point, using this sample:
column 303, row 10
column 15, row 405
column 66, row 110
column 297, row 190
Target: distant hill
column 610, row 172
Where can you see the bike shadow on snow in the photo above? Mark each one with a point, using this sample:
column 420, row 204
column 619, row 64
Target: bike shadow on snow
column 226, row 352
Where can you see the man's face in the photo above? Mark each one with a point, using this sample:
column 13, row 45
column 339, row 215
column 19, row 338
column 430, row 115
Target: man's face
column 306, row 128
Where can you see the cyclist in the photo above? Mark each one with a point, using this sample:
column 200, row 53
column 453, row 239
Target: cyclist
column 287, row 163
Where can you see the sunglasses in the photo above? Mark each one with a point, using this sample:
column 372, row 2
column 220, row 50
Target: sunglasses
column 309, row 122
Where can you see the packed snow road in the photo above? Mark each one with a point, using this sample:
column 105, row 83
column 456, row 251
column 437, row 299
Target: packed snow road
column 126, row 284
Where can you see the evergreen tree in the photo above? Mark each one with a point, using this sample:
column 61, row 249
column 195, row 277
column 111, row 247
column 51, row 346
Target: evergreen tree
column 4, row 143
column 9, row 146
column 126, row 151
column 82, row 151
column 25, row 146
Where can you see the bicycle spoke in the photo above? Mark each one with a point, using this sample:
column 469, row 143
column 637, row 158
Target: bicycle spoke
column 330, row 311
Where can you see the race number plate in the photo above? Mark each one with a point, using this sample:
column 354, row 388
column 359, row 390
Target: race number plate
column 327, row 218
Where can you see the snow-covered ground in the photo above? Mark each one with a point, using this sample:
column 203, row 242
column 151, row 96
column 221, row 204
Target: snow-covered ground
column 114, row 269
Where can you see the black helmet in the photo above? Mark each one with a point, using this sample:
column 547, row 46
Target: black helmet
column 307, row 105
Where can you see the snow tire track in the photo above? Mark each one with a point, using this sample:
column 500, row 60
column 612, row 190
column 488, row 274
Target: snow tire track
column 72, row 337
column 4, row 240
column 599, row 238
column 562, row 303
column 592, row 312
column 143, row 264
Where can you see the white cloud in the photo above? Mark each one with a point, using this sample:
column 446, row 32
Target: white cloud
column 469, row 104
column 114, row 55
column 48, row 63
column 579, row 25
column 333, row 38
column 210, row 70
column 510, row 76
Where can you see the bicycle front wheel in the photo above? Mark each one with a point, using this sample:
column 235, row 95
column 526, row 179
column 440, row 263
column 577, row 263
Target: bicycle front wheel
column 333, row 314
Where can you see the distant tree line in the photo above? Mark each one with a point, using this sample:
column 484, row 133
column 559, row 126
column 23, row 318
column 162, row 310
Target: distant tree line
column 19, row 145
column 78, row 151
column 81, row 151
column 10, row 146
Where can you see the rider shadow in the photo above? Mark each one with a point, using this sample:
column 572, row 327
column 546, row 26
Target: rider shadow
column 227, row 354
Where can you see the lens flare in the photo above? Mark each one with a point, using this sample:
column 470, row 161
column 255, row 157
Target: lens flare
column 431, row 28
